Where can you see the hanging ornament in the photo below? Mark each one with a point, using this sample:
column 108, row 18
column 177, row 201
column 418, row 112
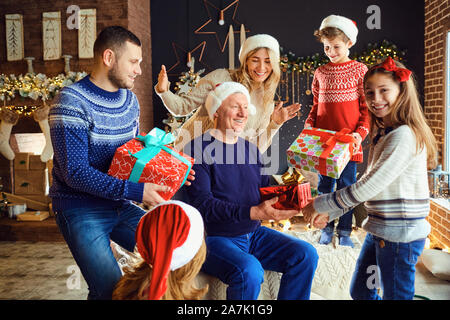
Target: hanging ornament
column 208, row 28
column 221, row 18
column 308, row 91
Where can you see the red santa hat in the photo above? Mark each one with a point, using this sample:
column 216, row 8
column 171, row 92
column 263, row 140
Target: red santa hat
column 167, row 238
column 347, row 26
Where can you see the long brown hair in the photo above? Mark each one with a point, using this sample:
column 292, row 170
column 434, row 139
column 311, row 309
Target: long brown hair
column 406, row 110
column 270, row 84
column 180, row 284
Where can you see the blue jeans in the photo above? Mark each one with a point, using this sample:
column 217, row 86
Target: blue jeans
column 88, row 232
column 326, row 185
column 240, row 262
column 396, row 270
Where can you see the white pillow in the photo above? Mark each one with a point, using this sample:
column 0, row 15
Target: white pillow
column 437, row 262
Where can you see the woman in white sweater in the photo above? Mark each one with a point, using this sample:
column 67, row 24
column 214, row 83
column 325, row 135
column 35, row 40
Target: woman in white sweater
column 259, row 73
column 394, row 188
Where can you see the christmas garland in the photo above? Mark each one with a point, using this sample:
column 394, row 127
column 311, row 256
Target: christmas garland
column 35, row 86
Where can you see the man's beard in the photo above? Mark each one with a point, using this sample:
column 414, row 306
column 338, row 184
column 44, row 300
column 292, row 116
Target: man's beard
column 116, row 80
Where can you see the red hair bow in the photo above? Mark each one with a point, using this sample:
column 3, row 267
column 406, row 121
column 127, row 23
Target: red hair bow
column 401, row 74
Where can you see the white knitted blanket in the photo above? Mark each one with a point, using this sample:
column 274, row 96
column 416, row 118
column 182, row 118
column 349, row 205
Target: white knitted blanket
column 331, row 280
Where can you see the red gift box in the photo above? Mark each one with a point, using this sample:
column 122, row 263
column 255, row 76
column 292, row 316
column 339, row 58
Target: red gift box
column 163, row 169
column 290, row 197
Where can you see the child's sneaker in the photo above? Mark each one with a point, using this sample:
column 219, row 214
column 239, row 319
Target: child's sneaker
column 326, row 237
column 345, row 241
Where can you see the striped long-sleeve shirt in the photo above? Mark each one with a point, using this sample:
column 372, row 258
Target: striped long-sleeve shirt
column 394, row 189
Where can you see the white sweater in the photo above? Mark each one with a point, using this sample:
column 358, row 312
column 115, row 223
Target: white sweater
column 259, row 129
column 394, row 189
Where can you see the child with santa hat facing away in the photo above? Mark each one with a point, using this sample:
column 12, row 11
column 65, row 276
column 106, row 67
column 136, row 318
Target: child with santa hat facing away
column 339, row 103
column 171, row 250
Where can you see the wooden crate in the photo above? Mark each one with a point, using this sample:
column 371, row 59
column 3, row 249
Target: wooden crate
column 36, row 163
column 6, row 175
column 28, row 182
column 33, row 216
column 22, row 161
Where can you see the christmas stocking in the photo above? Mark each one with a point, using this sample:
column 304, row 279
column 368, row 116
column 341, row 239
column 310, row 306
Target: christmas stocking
column 9, row 118
column 40, row 115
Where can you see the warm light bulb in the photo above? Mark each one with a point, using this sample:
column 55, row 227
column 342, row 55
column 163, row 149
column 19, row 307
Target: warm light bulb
column 221, row 19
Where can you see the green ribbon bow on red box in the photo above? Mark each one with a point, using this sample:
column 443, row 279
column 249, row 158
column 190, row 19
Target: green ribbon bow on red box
column 155, row 141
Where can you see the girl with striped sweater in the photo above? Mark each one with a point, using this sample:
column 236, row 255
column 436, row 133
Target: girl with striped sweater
column 394, row 188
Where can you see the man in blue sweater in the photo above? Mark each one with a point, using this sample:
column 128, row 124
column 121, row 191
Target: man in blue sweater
column 89, row 121
column 226, row 192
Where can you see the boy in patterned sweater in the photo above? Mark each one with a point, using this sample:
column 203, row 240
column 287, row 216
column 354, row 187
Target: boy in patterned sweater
column 339, row 103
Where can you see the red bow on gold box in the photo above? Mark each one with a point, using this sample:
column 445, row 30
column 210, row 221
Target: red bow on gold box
column 290, row 197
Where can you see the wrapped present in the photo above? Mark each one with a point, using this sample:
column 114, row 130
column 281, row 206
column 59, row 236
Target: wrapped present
column 323, row 151
column 148, row 158
column 290, row 197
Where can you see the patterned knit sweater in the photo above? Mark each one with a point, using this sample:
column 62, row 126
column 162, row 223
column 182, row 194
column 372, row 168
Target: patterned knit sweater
column 87, row 125
column 339, row 100
column 394, row 189
column 259, row 128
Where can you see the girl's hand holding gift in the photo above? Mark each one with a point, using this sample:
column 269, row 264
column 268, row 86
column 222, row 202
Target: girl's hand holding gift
column 320, row 220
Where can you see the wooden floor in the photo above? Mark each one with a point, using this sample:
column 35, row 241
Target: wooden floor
column 13, row 230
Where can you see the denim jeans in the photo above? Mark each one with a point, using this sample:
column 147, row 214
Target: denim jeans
column 326, row 185
column 88, row 231
column 385, row 264
column 240, row 262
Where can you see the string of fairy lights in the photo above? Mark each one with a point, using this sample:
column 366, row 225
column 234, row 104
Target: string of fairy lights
column 33, row 86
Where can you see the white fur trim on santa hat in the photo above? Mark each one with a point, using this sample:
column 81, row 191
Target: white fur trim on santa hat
column 347, row 26
column 222, row 91
column 259, row 41
column 187, row 251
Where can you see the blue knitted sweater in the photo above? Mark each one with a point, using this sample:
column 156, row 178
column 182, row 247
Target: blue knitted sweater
column 87, row 125
column 226, row 185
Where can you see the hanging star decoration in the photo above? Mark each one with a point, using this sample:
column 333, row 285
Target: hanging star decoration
column 200, row 49
column 221, row 22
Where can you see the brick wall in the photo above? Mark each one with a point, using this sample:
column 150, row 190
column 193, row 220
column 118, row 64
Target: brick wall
column 437, row 23
column 139, row 23
column 132, row 14
column 439, row 219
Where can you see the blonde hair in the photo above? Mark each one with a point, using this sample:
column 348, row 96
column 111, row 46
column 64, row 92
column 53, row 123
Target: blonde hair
column 270, row 84
column 180, row 283
column 406, row 110
column 330, row 33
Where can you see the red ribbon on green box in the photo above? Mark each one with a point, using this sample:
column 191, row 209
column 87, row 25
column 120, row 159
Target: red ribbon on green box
column 329, row 140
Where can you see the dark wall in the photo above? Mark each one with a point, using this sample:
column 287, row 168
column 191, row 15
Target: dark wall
column 292, row 22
